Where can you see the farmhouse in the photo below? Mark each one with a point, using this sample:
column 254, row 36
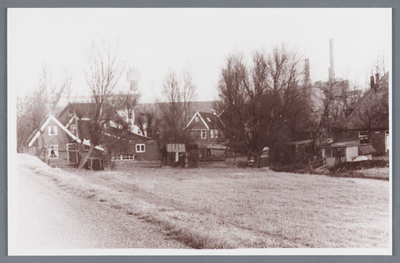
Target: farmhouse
column 368, row 122
column 61, row 141
column 207, row 132
column 56, row 145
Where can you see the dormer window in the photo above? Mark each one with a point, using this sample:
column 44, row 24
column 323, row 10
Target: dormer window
column 52, row 130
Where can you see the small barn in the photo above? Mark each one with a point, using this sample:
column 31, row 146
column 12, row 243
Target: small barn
column 346, row 151
column 176, row 154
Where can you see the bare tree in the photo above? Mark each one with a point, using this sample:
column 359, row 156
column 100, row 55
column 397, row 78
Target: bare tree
column 178, row 109
column 328, row 107
column 54, row 91
column 148, row 121
column 374, row 113
column 37, row 103
column 127, row 102
column 259, row 103
column 102, row 75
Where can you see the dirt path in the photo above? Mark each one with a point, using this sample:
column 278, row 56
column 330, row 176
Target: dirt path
column 51, row 218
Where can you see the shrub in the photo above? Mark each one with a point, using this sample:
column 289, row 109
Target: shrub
column 368, row 164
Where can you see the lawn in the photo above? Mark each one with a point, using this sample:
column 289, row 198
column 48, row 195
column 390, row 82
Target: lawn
column 240, row 207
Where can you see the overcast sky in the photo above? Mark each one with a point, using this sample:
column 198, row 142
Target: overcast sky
column 159, row 40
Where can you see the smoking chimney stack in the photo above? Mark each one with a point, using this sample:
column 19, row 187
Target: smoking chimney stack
column 332, row 67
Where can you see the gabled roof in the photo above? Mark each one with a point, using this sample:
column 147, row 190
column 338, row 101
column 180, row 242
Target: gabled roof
column 210, row 120
column 43, row 125
column 86, row 110
column 201, row 106
column 382, row 84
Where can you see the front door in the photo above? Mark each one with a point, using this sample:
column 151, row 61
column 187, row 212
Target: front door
column 72, row 153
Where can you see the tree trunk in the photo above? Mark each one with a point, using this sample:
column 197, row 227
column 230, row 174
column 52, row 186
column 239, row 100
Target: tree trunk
column 86, row 156
column 257, row 160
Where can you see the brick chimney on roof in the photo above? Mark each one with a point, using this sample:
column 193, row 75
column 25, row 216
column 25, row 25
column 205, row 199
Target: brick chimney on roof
column 372, row 81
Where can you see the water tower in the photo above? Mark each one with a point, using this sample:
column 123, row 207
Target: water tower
column 133, row 76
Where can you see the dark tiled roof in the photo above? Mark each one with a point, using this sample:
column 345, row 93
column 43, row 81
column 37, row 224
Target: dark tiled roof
column 212, row 120
column 203, row 106
column 86, row 110
column 382, row 84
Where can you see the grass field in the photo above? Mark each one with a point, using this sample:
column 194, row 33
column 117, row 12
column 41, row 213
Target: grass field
column 217, row 208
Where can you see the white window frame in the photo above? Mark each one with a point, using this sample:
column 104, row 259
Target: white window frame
column 363, row 137
column 196, row 119
column 205, row 134
column 124, row 157
column 53, row 147
column 52, row 130
column 214, row 134
column 141, row 149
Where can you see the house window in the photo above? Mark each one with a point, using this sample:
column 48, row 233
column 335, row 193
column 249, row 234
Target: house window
column 204, row 134
column 214, row 134
column 73, row 128
column 123, row 156
column 363, row 135
column 197, row 119
column 52, row 130
column 53, row 151
column 387, row 141
column 140, row 148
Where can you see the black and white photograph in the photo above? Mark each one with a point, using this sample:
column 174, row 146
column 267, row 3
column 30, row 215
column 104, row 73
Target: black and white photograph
column 199, row 131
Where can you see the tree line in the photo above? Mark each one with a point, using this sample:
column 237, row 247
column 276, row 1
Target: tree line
column 264, row 103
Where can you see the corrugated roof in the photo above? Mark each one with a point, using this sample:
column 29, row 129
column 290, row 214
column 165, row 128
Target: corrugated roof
column 366, row 149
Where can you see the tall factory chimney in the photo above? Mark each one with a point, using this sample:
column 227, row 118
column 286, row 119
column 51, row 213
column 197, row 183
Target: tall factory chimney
column 307, row 71
column 133, row 76
column 332, row 67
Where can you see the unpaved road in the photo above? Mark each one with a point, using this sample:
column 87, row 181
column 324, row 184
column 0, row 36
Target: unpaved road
column 51, row 218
